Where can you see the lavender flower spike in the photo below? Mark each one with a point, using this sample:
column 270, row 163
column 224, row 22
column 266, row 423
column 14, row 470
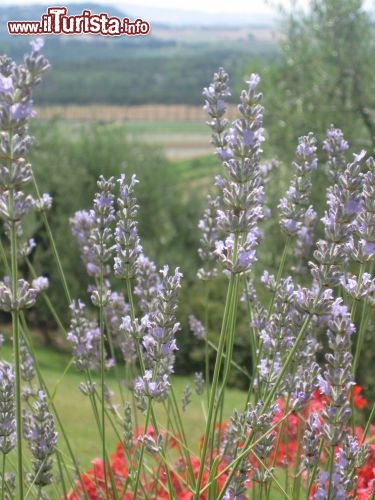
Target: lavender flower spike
column 93, row 229
column 7, row 409
column 197, row 327
column 40, row 433
column 295, row 205
column 215, row 106
column 159, row 343
column 336, row 147
column 128, row 247
column 147, row 284
column 209, row 236
column 84, row 335
column 337, row 378
column 242, row 190
column 362, row 245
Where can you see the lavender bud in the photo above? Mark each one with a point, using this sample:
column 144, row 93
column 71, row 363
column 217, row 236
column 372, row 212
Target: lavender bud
column 151, row 445
column 311, row 441
column 44, row 203
column 87, row 388
column 199, row 383
column 41, row 436
column 186, row 398
column 25, row 296
column 155, row 389
column 37, row 45
column 27, row 362
column 196, row 327
column 358, row 290
column 41, row 283
column 7, row 408
column 215, row 106
column 242, row 196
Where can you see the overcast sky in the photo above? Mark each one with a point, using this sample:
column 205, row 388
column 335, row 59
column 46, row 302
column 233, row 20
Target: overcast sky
column 244, row 6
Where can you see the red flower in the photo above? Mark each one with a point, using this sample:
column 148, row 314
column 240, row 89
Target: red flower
column 359, row 401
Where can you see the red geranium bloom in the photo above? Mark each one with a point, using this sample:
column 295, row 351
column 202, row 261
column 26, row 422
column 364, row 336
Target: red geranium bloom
column 359, row 401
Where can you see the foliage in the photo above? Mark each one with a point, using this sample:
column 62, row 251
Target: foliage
column 323, row 73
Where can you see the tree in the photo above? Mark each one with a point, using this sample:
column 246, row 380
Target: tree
column 324, row 73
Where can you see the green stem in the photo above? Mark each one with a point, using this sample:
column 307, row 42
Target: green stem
column 297, row 477
column 253, row 337
column 16, row 343
column 181, row 431
column 225, row 335
column 150, row 411
column 280, row 272
column 280, row 437
column 361, row 336
column 227, row 358
column 4, row 259
column 3, row 477
column 140, row 459
column 102, row 376
column 206, row 342
column 330, row 471
column 232, row 362
column 61, row 474
column 54, row 249
column 362, row 328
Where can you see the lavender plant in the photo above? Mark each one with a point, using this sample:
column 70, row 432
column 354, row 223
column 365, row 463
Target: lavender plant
column 296, row 433
column 16, row 294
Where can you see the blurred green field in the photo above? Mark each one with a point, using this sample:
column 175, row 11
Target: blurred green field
column 180, row 139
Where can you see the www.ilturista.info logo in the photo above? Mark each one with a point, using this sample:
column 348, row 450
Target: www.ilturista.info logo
column 56, row 22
